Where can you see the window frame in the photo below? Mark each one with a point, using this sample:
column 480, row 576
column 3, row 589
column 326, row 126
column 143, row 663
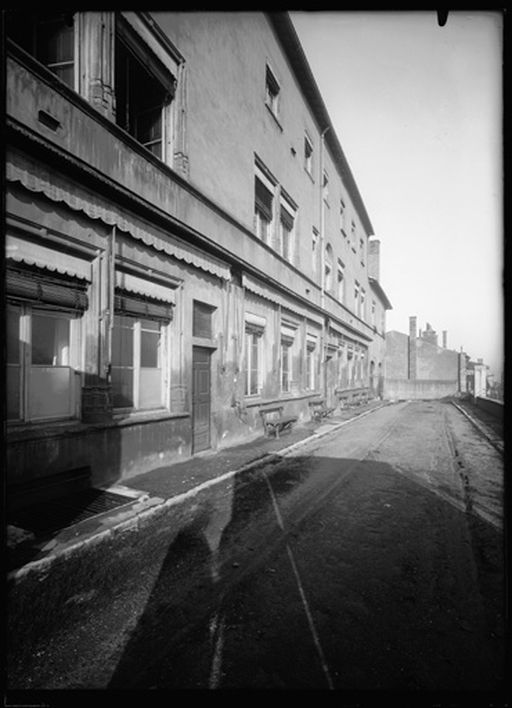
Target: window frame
column 308, row 155
column 272, row 92
column 137, row 51
column 163, row 357
column 26, row 385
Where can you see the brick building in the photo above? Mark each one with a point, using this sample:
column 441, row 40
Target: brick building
column 185, row 239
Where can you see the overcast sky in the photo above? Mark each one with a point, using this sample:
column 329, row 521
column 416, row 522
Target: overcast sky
column 418, row 110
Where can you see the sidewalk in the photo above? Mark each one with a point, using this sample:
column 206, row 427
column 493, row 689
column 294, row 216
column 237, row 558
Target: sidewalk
column 151, row 490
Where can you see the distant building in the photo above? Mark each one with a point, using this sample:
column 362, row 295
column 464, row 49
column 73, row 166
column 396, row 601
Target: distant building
column 417, row 367
column 186, row 242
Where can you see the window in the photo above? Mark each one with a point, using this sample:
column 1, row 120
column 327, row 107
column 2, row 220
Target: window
column 286, row 227
column 42, row 350
column 328, row 268
column 263, row 207
column 137, row 363
column 340, row 282
column 288, row 332
column 272, row 92
column 43, row 344
column 325, row 187
column 357, row 304
column 202, row 320
column 308, row 155
column 50, row 38
column 362, row 308
column 254, row 331
column 139, row 345
column 314, row 249
column 342, row 218
column 353, row 235
column 361, row 250
column 311, row 358
column 374, row 321
column 144, row 90
column 285, row 366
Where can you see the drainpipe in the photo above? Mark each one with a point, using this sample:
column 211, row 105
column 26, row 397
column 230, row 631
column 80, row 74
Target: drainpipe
column 322, row 255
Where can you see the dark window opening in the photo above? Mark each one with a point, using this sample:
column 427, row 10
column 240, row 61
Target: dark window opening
column 202, row 320
column 49, row 37
column 143, row 89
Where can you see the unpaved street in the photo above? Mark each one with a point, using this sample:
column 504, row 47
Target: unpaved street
column 371, row 559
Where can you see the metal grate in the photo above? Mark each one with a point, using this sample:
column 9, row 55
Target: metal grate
column 57, row 514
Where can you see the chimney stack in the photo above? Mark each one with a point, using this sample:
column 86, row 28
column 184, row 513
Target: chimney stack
column 412, row 348
column 445, row 337
column 374, row 258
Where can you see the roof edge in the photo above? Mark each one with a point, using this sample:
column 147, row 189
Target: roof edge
column 289, row 40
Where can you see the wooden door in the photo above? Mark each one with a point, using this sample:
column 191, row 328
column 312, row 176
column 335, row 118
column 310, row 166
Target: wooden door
column 201, row 399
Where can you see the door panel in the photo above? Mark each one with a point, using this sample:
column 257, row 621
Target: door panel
column 201, row 399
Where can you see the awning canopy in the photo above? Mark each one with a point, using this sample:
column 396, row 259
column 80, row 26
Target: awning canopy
column 35, row 177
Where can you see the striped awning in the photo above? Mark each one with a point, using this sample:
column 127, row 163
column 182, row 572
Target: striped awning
column 32, row 253
column 268, row 292
column 35, row 177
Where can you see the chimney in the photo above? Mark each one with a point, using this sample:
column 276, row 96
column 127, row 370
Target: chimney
column 445, row 337
column 374, row 258
column 412, row 348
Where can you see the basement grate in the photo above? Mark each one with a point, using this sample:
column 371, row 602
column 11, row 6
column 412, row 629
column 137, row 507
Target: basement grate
column 57, row 514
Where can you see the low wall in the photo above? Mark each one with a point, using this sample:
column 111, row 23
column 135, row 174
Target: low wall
column 491, row 405
column 406, row 389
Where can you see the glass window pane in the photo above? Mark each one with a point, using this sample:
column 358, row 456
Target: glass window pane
column 122, row 388
column 50, row 340
column 149, row 346
column 150, row 393
column 122, row 341
column 13, row 336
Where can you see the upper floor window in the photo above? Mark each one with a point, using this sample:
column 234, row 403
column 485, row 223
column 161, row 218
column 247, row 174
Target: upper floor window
column 373, row 313
column 144, row 90
column 287, row 230
column 357, row 302
column 272, row 91
column 362, row 308
column 308, row 155
column 341, row 282
column 314, row 249
column 264, row 191
column 362, row 250
column 325, row 187
column 353, row 235
column 328, row 268
column 50, row 38
column 342, row 217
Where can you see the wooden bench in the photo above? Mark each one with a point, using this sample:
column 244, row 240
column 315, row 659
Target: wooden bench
column 352, row 396
column 274, row 421
column 319, row 409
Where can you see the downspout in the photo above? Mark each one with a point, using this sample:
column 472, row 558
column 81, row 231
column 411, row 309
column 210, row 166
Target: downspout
column 322, row 258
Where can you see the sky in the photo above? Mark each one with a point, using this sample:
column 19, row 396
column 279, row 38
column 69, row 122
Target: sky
column 417, row 109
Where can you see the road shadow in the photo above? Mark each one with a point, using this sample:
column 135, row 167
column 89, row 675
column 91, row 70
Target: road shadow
column 396, row 604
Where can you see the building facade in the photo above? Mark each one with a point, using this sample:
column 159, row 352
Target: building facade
column 418, row 367
column 185, row 241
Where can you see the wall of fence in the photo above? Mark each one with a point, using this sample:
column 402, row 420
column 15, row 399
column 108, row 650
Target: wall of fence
column 491, row 405
column 417, row 389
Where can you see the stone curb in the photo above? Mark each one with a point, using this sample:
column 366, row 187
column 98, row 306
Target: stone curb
column 483, row 431
column 157, row 505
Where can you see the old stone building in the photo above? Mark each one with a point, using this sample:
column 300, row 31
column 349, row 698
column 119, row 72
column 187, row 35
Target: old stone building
column 185, row 240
